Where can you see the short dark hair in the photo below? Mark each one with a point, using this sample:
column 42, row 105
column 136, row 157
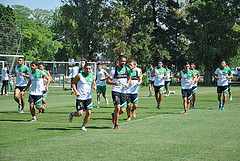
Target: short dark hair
column 122, row 57
column 34, row 62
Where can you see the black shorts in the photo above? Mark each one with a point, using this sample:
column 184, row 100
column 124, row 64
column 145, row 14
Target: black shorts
column 119, row 99
column 187, row 93
column 167, row 83
column 151, row 82
column 84, row 104
column 159, row 89
column 132, row 98
column 36, row 100
column 20, row 88
column 222, row 89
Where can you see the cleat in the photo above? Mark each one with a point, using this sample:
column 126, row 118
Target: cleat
column 21, row 111
column 34, row 118
column 83, row 128
column 70, row 117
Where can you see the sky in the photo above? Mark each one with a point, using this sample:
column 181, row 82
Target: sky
column 33, row 4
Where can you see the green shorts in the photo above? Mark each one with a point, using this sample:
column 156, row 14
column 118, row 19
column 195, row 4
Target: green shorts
column 101, row 89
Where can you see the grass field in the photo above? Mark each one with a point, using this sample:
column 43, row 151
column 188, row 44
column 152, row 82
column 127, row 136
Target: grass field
column 156, row 135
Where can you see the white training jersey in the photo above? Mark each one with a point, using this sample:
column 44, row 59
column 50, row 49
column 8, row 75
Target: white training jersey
column 186, row 79
column 73, row 71
column 37, row 86
column 84, row 86
column 134, row 84
column 5, row 74
column 101, row 76
column 20, row 70
column 168, row 75
column 121, row 79
column 160, row 74
column 222, row 75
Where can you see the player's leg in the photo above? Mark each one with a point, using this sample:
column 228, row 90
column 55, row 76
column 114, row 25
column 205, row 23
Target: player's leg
column 219, row 97
column 134, row 106
column 31, row 101
column 78, row 112
column 98, row 94
column 129, row 107
column 87, row 106
column 17, row 97
column 193, row 100
column 167, row 84
column 157, row 95
column 224, row 96
column 229, row 92
column 189, row 98
column 104, row 89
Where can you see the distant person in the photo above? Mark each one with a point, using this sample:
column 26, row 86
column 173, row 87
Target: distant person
column 101, row 77
column 187, row 81
column 46, row 81
column 73, row 72
column 35, row 84
column 5, row 80
column 196, row 75
column 150, row 76
column 222, row 75
column 229, row 83
column 167, row 80
column 22, row 75
column 83, row 84
column 133, row 89
column 159, row 82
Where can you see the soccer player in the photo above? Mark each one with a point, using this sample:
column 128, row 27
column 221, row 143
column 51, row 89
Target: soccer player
column 160, row 74
column 222, row 75
column 82, row 85
column 45, row 84
column 5, row 79
column 229, row 83
column 35, row 83
column 101, row 77
column 187, row 79
column 120, row 77
column 22, row 74
column 74, row 70
column 133, row 89
column 150, row 76
column 167, row 80
column 196, row 75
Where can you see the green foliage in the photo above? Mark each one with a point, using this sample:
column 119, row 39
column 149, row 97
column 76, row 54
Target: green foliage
column 37, row 39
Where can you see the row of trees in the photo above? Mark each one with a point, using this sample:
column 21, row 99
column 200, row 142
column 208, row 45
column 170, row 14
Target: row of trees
column 202, row 31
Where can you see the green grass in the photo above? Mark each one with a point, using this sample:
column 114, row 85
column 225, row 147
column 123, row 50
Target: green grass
column 203, row 134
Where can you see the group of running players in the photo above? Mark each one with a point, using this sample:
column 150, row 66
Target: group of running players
column 125, row 78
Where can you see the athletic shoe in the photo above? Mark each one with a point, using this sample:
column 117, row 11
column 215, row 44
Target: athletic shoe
column 222, row 108
column 83, row 128
column 128, row 119
column 34, row 118
column 70, row 117
column 21, row 111
column 158, row 106
column 116, row 127
column 112, row 118
column 230, row 98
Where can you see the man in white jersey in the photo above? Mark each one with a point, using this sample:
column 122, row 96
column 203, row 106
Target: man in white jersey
column 150, row 76
column 22, row 74
column 82, row 85
column 133, row 89
column 222, row 75
column 167, row 80
column 35, row 83
column 73, row 71
column 101, row 77
column 5, row 79
column 120, row 78
column 45, row 84
column 187, row 81
column 159, row 74
column 196, row 75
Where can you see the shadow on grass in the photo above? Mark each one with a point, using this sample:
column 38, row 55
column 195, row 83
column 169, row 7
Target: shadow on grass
column 8, row 112
column 54, row 128
column 101, row 118
column 164, row 113
column 93, row 127
column 9, row 120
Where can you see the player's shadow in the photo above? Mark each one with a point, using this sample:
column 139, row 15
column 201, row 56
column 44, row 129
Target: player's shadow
column 54, row 128
column 93, row 127
column 164, row 113
column 8, row 112
column 13, row 120
column 101, row 118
